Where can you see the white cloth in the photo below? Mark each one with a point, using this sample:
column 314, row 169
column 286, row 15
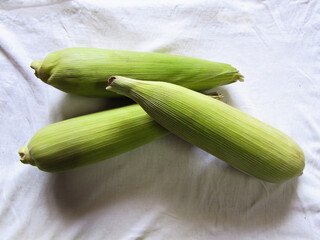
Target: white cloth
column 167, row 189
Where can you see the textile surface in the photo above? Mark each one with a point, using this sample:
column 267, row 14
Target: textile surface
column 167, row 189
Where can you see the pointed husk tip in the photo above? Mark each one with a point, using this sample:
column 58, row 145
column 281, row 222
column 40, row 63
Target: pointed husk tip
column 240, row 77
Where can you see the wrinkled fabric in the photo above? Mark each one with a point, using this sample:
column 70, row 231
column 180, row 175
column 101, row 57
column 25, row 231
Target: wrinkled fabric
column 167, row 189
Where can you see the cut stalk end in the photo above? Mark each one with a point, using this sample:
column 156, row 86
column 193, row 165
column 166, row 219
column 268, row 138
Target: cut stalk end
column 120, row 85
column 110, row 81
column 25, row 156
column 36, row 65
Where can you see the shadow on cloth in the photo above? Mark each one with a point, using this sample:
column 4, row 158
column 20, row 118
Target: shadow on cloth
column 193, row 187
column 70, row 106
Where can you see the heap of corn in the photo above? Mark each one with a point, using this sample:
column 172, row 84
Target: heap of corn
column 165, row 86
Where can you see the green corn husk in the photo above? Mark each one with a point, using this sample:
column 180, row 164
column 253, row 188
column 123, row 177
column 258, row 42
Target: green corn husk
column 91, row 138
column 83, row 71
column 242, row 141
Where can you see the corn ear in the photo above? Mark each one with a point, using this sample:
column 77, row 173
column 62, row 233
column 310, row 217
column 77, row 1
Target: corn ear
column 83, row 71
column 91, row 138
column 242, row 141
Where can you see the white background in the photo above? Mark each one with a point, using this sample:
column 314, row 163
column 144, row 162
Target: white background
column 167, row 189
